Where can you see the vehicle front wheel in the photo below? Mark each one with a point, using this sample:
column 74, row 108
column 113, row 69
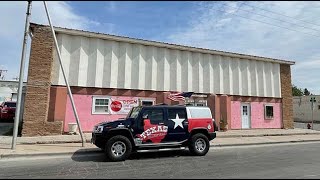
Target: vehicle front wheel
column 199, row 144
column 118, row 148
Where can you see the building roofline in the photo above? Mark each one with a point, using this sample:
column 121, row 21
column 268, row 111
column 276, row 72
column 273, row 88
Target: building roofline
column 161, row 44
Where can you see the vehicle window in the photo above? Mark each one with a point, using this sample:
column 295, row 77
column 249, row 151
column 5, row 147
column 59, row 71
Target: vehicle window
column 10, row 104
column 180, row 112
column 200, row 112
column 134, row 112
column 155, row 115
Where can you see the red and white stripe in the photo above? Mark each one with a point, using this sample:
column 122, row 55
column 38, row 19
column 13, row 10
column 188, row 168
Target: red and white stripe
column 176, row 97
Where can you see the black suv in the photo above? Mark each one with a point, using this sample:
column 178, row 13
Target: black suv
column 156, row 127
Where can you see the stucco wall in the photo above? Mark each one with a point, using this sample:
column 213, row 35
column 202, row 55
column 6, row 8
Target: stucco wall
column 257, row 115
column 84, row 109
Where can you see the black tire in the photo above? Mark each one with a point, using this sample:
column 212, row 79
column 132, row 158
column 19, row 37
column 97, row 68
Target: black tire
column 192, row 144
column 123, row 141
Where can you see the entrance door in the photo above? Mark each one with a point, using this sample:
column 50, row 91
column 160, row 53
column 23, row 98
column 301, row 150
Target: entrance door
column 245, row 116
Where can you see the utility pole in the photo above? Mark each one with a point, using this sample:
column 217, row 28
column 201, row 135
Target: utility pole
column 23, row 57
column 63, row 73
column 312, row 100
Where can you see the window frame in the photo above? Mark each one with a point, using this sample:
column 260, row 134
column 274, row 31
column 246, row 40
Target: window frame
column 180, row 109
column 146, row 100
column 265, row 112
column 93, row 105
column 154, row 109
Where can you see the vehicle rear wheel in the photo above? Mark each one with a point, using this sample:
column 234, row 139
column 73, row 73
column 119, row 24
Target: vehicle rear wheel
column 199, row 144
column 118, row 148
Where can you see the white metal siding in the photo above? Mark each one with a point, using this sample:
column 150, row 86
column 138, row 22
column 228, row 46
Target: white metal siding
column 93, row 62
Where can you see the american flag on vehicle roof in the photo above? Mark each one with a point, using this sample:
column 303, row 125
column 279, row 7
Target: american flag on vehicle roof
column 179, row 96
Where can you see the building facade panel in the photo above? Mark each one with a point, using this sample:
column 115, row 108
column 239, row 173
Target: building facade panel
column 131, row 64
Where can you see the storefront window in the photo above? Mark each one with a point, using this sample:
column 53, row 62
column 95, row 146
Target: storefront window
column 100, row 105
column 268, row 111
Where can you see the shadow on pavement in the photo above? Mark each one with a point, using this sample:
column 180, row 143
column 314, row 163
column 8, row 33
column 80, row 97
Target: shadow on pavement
column 99, row 156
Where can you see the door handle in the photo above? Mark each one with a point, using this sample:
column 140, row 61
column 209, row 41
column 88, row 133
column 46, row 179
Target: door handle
column 161, row 123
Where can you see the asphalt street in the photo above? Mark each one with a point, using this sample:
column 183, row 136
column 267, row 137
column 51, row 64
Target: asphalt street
column 298, row 160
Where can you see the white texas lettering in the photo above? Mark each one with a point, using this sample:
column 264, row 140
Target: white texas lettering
column 149, row 133
column 153, row 129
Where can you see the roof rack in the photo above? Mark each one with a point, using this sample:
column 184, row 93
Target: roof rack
column 161, row 104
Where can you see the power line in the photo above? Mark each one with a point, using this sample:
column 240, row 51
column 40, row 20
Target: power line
column 277, row 19
column 281, row 14
column 271, row 24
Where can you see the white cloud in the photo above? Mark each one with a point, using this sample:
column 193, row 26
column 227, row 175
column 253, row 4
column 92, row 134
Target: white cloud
column 216, row 27
column 12, row 18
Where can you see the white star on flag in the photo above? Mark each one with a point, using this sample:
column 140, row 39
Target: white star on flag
column 177, row 121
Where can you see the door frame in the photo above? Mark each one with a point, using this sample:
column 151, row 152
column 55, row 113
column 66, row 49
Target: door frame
column 249, row 113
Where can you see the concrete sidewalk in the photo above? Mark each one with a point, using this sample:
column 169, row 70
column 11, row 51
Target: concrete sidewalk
column 60, row 145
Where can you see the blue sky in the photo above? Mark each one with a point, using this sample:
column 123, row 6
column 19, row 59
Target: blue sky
column 226, row 26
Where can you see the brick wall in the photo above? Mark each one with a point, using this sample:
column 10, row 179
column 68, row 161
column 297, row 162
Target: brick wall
column 38, row 87
column 286, row 94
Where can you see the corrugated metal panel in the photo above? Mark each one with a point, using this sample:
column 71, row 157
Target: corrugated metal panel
column 92, row 62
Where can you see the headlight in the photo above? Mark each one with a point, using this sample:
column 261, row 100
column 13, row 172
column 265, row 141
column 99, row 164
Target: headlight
column 98, row 129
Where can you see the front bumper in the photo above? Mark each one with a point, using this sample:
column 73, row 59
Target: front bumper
column 97, row 139
column 212, row 135
column 7, row 115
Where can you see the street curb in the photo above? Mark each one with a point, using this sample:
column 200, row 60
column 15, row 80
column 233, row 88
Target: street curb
column 55, row 142
column 223, row 136
column 261, row 135
column 74, row 153
column 96, row 151
column 279, row 142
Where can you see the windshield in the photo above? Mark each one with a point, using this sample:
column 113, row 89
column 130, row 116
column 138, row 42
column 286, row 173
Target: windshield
column 134, row 112
column 10, row 104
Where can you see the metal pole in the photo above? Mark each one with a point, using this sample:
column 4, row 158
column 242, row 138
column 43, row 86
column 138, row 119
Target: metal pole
column 312, row 113
column 64, row 76
column 23, row 57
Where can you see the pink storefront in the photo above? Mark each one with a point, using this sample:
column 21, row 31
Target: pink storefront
column 240, row 112
column 245, row 115
column 93, row 109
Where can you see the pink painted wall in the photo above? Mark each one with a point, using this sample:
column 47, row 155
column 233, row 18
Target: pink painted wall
column 235, row 115
column 87, row 119
column 257, row 115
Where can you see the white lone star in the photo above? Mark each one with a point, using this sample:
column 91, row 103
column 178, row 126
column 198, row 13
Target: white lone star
column 177, row 121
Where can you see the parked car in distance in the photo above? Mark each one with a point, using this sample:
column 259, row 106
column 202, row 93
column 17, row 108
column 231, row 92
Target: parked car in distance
column 7, row 110
column 154, row 128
